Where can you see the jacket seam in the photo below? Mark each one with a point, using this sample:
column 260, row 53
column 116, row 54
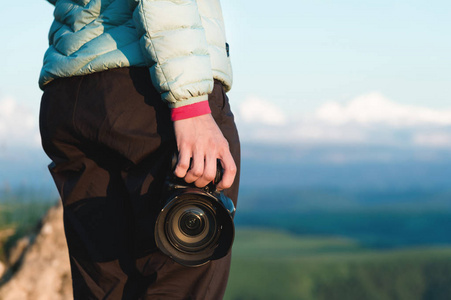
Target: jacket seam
column 182, row 56
column 88, row 41
column 105, row 53
column 101, row 14
column 179, row 28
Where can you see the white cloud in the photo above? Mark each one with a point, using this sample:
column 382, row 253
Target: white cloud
column 374, row 108
column 433, row 139
column 370, row 119
column 255, row 110
column 18, row 126
column 316, row 132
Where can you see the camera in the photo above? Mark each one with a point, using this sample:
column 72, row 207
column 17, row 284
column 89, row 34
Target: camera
column 195, row 225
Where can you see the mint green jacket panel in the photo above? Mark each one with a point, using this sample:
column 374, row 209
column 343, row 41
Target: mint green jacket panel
column 183, row 57
column 213, row 23
column 173, row 37
column 90, row 36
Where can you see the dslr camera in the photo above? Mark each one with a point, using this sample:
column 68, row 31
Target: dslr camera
column 195, row 225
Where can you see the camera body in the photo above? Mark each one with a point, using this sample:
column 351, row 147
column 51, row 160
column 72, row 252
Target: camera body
column 195, row 225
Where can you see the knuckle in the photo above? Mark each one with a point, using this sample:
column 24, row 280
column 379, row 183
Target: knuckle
column 183, row 165
column 231, row 165
column 182, row 145
column 189, row 179
column 233, row 169
column 226, row 185
column 224, row 144
column 179, row 173
column 196, row 173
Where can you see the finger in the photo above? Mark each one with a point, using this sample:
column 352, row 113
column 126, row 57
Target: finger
column 196, row 170
column 182, row 166
column 209, row 172
column 229, row 174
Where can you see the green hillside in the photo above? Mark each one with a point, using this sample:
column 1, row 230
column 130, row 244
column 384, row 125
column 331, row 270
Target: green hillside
column 272, row 264
column 276, row 265
column 18, row 219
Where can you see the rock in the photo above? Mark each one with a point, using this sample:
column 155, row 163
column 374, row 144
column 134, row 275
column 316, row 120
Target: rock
column 42, row 270
column 6, row 233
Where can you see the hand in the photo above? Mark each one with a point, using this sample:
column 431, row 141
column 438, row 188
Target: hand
column 200, row 138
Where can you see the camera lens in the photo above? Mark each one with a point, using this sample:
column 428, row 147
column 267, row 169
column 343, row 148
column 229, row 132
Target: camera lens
column 191, row 227
column 195, row 226
column 192, row 223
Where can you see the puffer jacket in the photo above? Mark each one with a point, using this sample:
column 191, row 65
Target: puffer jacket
column 181, row 41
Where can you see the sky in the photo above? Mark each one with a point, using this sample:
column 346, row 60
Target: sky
column 310, row 52
column 304, row 71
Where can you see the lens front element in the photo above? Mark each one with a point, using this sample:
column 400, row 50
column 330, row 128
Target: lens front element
column 192, row 222
column 191, row 227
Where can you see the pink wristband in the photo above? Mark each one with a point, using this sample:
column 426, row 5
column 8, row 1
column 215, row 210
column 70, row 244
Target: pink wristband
column 190, row 111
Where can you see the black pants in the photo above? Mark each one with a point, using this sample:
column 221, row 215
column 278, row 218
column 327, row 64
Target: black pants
column 110, row 139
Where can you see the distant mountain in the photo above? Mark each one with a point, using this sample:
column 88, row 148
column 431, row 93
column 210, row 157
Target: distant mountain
column 345, row 167
column 364, row 167
column 25, row 167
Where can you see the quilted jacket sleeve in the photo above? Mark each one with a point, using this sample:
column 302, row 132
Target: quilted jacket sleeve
column 174, row 43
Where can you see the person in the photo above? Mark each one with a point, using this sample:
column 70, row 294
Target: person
column 110, row 137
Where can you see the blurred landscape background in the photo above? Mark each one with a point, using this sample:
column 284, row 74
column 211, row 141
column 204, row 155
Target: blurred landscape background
column 344, row 114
